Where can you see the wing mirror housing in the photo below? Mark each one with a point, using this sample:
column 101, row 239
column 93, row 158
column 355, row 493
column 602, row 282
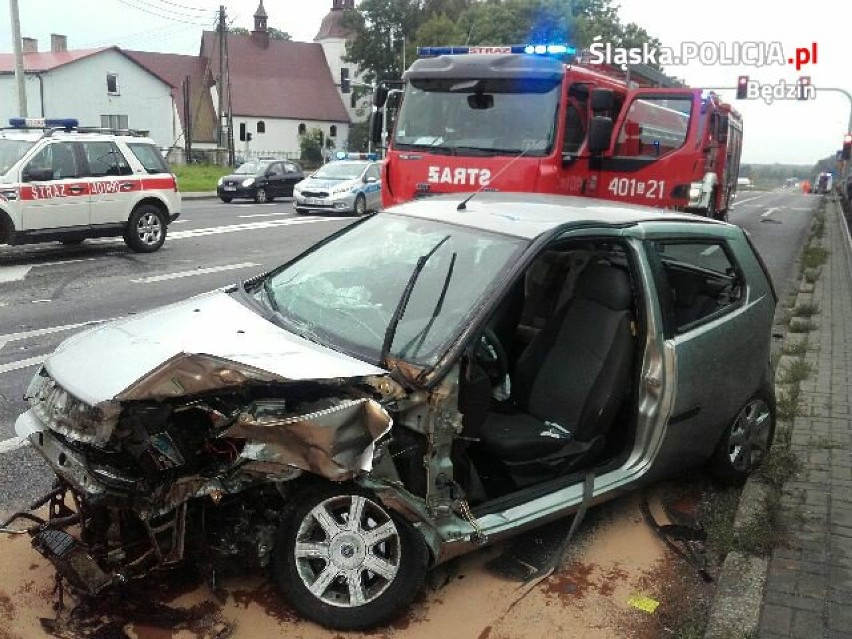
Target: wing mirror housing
column 600, row 134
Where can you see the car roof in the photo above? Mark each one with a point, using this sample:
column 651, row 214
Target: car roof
column 529, row 215
column 34, row 135
column 356, row 162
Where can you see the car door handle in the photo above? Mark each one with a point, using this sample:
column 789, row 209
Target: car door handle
column 75, row 189
column 127, row 186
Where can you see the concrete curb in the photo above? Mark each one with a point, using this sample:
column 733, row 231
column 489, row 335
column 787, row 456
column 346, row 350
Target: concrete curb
column 199, row 195
column 738, row 600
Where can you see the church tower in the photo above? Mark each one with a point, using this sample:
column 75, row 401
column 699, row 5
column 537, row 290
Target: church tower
column 333, row 36
column 260, row 35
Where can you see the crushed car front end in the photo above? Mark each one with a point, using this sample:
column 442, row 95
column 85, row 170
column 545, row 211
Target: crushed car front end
column 194, row 459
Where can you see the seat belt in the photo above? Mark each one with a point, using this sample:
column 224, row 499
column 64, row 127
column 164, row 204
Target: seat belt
column 545, row 571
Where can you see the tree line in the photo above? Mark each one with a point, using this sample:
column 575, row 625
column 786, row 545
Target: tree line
column 389, row 31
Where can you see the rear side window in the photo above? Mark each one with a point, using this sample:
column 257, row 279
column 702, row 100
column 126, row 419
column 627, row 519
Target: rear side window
column 699, row 282
column 149, row 157
column 105, row 158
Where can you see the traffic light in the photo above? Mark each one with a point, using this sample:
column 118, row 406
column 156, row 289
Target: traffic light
column 742, row 87
column 345, row 84
column 804, row 83
column 846, row 153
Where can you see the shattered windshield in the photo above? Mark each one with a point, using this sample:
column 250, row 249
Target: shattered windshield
column 11, row 151
column 344, row 293
column 479, row 116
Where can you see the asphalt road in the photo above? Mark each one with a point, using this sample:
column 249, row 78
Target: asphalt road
column 48, row 292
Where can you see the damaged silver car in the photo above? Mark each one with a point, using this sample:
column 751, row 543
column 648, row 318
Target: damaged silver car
column 425, row 381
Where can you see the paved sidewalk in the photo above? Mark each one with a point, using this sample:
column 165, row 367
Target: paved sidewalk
column 808, row 591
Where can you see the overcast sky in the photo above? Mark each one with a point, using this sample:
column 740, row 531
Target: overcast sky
column 789, row 132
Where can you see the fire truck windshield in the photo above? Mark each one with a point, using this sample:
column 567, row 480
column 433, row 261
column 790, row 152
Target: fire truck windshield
column 11, row 151
column 479, row 117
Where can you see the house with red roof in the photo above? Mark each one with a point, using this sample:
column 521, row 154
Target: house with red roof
column 99, row 87
column 278, row 89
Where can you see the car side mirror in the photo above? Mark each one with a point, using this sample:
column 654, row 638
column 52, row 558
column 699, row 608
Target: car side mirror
column 370, row 180
column 602, row 100
column 600, row 134
column 37, row 175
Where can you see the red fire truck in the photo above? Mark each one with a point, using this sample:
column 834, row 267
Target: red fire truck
column 520, row 119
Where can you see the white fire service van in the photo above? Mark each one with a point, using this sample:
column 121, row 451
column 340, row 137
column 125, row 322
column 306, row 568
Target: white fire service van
column 62, row 182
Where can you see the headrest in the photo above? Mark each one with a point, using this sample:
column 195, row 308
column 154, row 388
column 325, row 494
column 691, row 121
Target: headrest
column 606, row 285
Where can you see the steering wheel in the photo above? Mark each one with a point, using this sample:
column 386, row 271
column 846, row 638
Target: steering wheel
column 491, row 355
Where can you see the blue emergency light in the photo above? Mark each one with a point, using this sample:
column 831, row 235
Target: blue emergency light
column 42, row 123
column 529, row 49
column 343, row 155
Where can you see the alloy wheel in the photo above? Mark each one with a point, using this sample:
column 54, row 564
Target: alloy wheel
column 748, row 441
column 149, row 228
column 347, row 551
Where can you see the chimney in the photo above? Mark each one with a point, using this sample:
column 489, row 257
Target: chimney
column 29, row 45
column 58, row 43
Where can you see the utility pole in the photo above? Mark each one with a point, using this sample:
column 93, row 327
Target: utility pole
column 230, row 112
column 187, row 121
column 220, row 137
column 19, row 58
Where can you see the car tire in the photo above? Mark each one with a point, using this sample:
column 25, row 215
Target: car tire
column 260, row 196
column 319, row 571
column 226, row 200
column 747, row 440
column 146, row 229
column 360, row 207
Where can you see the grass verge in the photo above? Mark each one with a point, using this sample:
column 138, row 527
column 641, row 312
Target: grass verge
column 193, row 178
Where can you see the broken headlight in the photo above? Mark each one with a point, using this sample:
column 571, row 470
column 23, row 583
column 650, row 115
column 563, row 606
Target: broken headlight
column 62, row 412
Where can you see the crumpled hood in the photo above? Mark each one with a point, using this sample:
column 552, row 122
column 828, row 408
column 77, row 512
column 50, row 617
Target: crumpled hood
column 102, row 363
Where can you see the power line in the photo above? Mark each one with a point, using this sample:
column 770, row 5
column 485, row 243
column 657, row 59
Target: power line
column 156, row 33
column 150, row 4
column 183, row 6
column 127, row 3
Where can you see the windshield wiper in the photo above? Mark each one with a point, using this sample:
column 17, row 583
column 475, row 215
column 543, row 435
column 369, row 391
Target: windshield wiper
column 399, row 311
column 432, row 148
column 270, row 297
column 420, row 338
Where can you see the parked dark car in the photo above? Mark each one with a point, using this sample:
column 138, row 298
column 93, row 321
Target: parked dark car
column 260, row 180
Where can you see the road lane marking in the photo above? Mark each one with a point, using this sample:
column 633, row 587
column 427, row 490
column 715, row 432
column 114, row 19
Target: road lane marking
column 799, row 208
column 738, row 202
column 38, row 332
column 177, row 235
column 197, row 271
column 18, row 273
column 13, row 273
column 248, row 226
column 23, row 363
column 12, row 444
column 269, row 214
column 769, row 211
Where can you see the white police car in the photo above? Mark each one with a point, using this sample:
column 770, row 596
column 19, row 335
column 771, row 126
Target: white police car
column 62, row 182
column 350, row 185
